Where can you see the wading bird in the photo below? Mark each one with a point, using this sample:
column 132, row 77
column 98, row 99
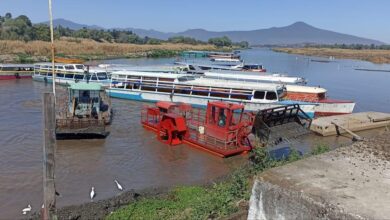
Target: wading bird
column 118, row 185
column 92, row 194
column 25, row 210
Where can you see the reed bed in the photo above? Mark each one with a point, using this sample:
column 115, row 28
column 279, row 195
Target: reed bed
column 374, row 56
column 84, row 48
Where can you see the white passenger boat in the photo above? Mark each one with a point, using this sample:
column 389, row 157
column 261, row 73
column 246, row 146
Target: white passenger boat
column 150, row 86
column 69, row 73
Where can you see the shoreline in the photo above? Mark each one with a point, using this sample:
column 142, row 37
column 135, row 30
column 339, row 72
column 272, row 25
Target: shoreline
column 87, row 50
column 373, row 56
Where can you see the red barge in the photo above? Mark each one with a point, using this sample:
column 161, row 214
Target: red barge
column 222, row 129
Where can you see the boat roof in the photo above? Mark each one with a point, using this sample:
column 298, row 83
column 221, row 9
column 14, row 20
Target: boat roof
column 150, row 74
column 86, row 86
column 15, row 65
column 307, row 89
column 234, row 84
column 253, row 76
column 57, row 64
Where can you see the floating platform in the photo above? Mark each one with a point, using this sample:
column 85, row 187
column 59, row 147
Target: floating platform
column 339, row 124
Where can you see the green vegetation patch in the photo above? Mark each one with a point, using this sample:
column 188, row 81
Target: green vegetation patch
column 161, row 53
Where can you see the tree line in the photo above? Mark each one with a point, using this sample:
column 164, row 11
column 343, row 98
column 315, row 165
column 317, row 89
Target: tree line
column 21, row 28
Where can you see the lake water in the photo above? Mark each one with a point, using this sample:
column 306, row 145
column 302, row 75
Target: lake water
column 133, row 155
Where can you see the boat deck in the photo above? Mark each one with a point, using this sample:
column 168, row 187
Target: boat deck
column 327, row 126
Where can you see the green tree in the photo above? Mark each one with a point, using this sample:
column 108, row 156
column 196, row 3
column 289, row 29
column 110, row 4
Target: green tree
column 220, row 41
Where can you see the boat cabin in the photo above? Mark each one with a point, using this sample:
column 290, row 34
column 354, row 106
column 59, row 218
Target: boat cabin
column 86, row 112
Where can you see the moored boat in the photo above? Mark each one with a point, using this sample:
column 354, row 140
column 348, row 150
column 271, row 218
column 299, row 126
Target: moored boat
column 317, row 95
column 149, row 86
column 69, row 73
column 15, row 71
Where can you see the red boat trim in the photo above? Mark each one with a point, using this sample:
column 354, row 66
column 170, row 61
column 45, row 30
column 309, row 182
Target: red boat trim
column 334, row 101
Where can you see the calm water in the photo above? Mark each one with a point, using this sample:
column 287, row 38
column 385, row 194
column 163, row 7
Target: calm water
column 133, row 155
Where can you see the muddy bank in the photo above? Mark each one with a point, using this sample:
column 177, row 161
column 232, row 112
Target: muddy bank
column 101, row 208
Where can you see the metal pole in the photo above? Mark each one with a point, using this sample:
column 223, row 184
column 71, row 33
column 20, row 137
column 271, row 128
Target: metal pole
column 49, row 149
column 52, row 49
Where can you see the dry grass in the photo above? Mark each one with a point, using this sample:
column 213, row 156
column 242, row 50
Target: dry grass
column 375, row 56
column 89, row 48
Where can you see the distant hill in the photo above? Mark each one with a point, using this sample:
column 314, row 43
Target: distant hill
column 70, row 24
column 297, row 33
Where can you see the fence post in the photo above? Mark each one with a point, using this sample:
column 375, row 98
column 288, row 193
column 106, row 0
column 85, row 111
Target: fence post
column 49, row 149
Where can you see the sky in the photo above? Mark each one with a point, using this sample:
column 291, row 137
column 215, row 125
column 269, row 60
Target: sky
column 369, row 18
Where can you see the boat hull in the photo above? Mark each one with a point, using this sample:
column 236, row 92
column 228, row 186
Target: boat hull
column 198, row 101
column 10, row 76
column 334, row 108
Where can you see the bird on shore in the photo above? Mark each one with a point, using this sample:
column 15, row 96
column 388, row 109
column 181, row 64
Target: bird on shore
column 25, row 210
column 92, row 194
column 118, row 185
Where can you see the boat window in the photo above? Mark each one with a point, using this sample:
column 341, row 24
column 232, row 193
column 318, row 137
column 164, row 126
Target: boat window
column 60, row 75
column 202, row 91
column 102, row 76
column 259, row 95
column 182, row 89
column 240, row 96
column 164, row 89
column 49, row 74
column 166, row 79
column 150, row 78
column 147, row 87
column 69, row 76
column 78, row 76
column 222, row 93
column 69, row 67
column 271, row 96
column 94, row 77
column 132, row 77
column 80, row 67
column 59, row 67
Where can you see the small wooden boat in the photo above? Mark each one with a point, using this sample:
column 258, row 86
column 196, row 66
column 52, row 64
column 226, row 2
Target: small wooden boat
column 15, row 71
column 85, row 114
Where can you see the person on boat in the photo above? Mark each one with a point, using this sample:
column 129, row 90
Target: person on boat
column 222, row 118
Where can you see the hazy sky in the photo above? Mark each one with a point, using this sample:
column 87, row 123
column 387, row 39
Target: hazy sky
column 369, row 18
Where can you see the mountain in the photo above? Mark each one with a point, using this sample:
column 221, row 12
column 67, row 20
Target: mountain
column 70, row 24
column 297, row 33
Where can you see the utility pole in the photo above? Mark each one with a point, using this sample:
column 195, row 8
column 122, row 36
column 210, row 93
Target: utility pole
column 49, row 149
column 52, row 49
